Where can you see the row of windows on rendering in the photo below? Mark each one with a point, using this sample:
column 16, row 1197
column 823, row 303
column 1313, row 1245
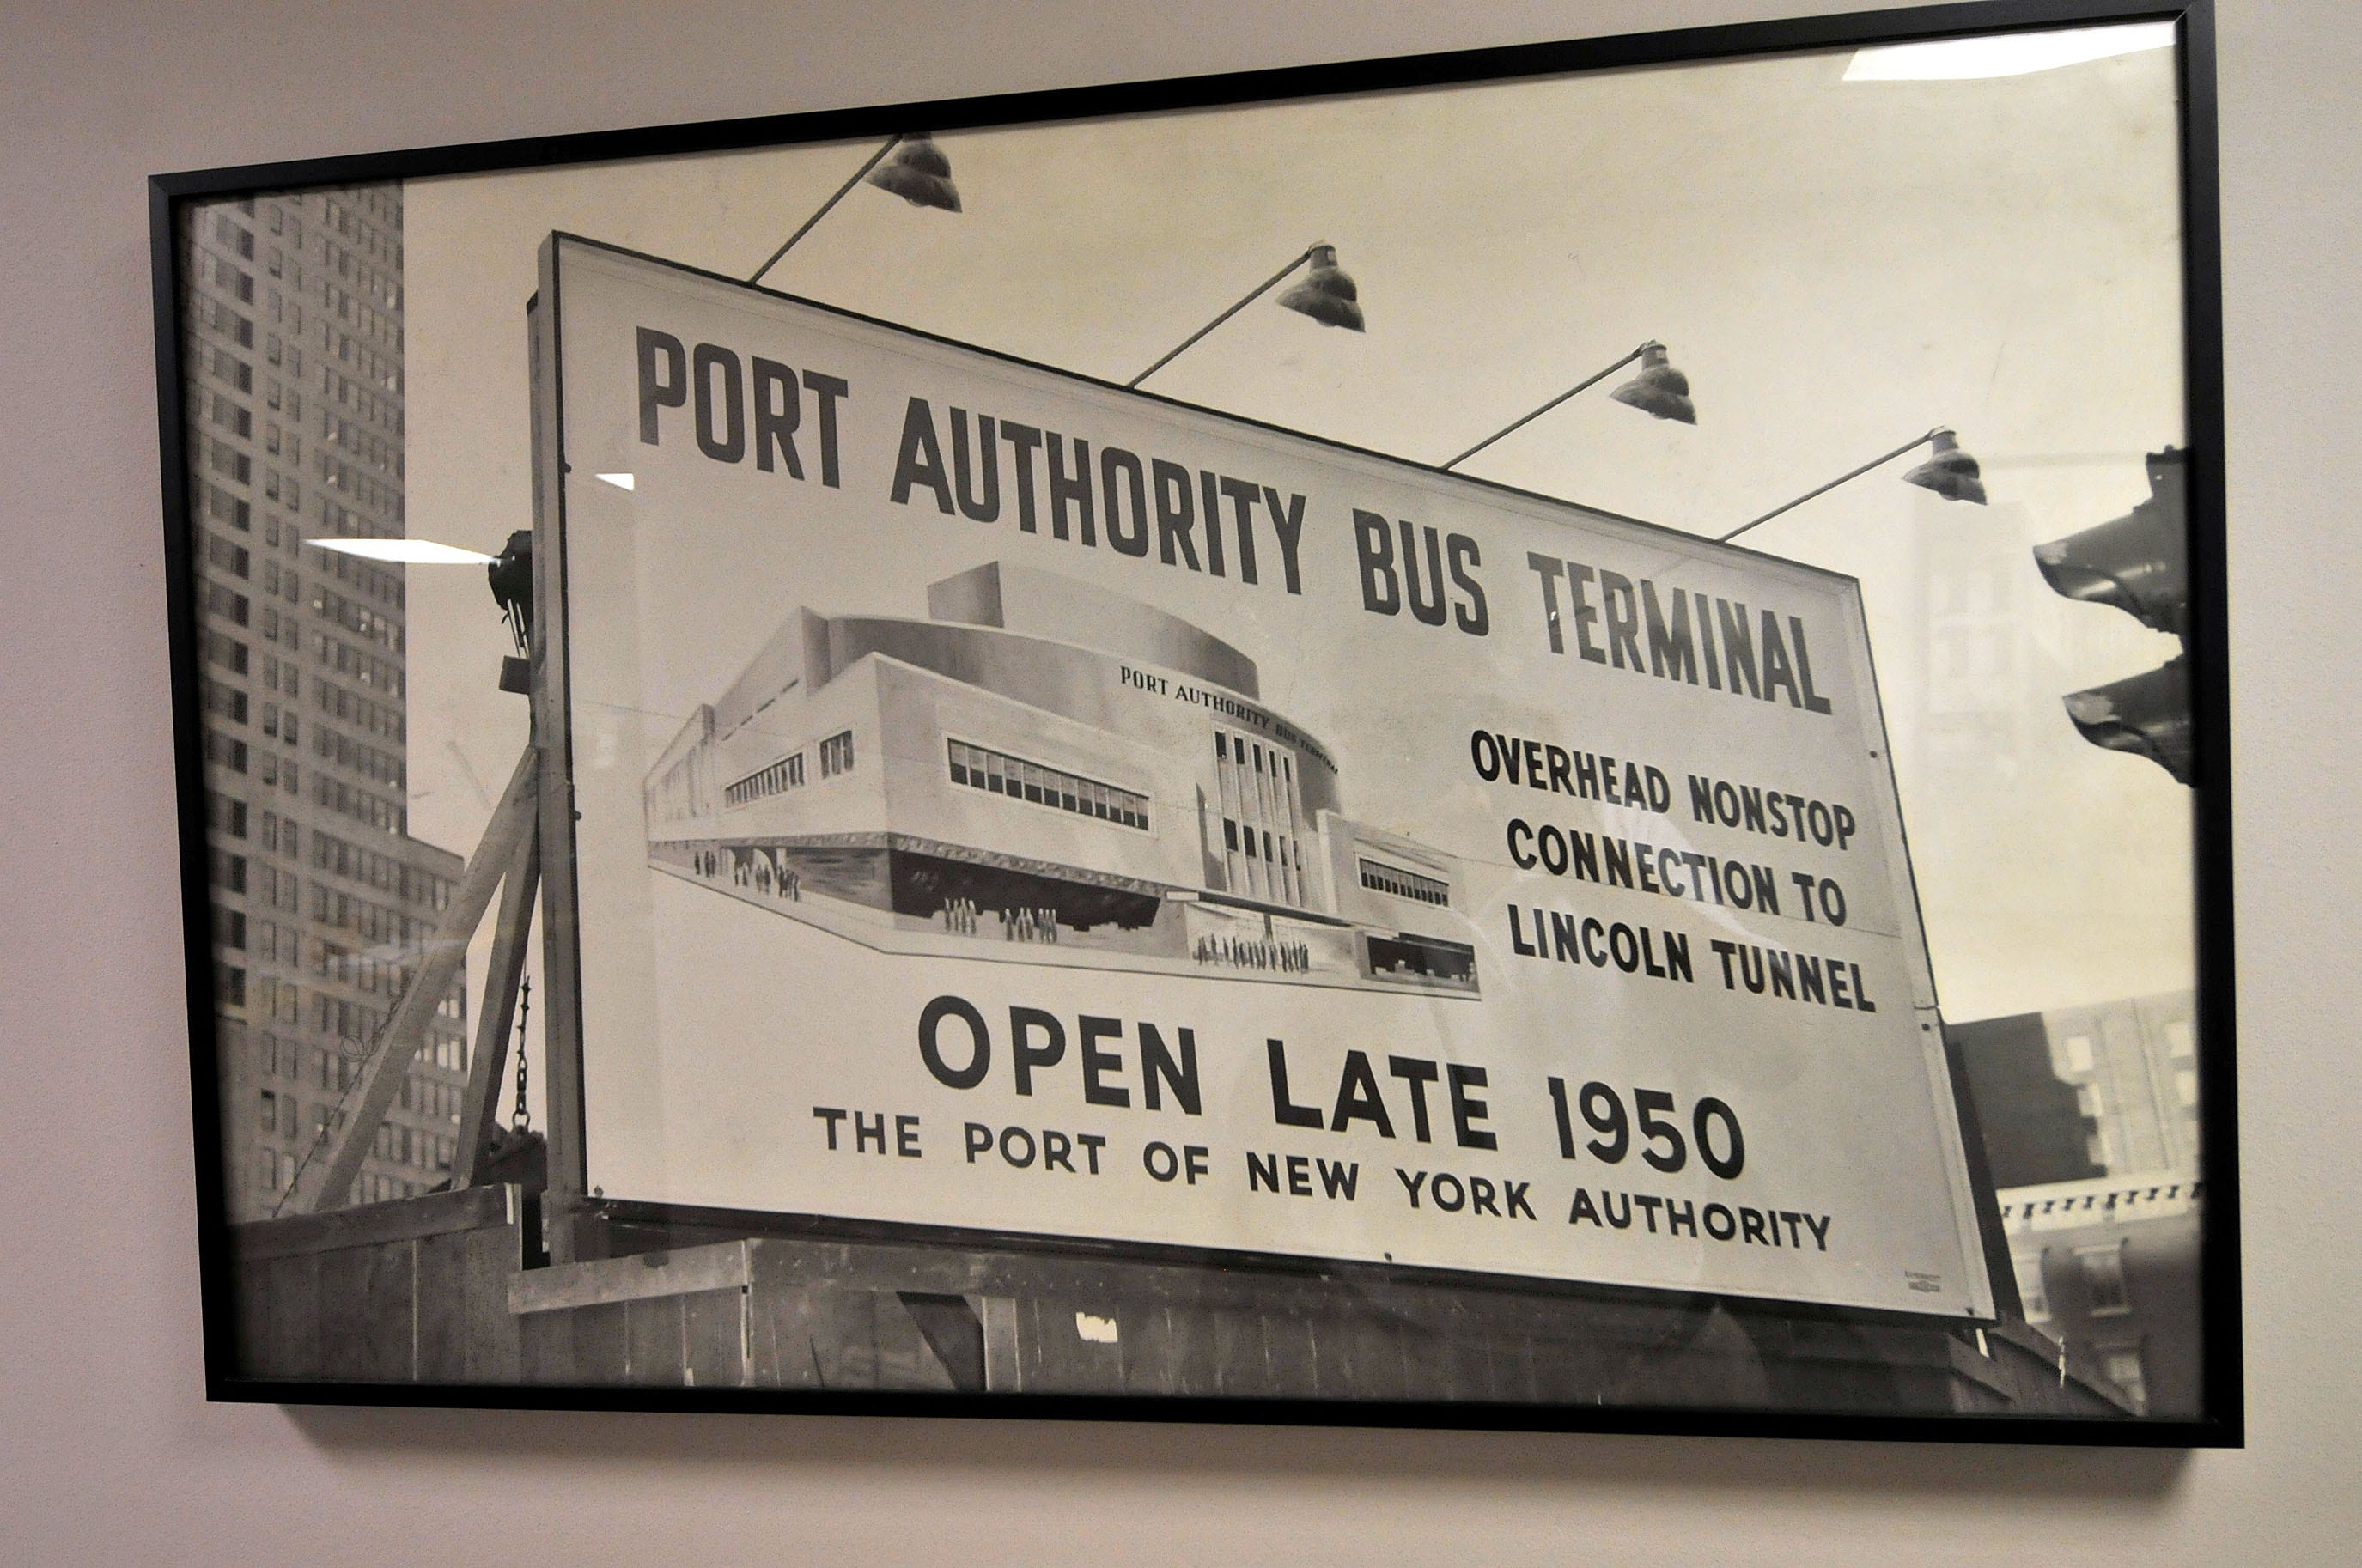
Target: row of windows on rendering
column 1257, row 784
column 1259, row 811
column 1282, row 854
column 1248, row 753
column 788, row 773
column 998, row 773
column 1381, row 877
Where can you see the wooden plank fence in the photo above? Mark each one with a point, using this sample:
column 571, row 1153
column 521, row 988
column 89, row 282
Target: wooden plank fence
column 439, row 1291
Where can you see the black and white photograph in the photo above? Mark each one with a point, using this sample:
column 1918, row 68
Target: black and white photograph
column 1532, row 738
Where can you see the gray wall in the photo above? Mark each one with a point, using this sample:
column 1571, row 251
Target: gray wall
column 108, row 1453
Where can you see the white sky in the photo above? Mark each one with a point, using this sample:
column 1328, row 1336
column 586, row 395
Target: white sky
column 1838, row 266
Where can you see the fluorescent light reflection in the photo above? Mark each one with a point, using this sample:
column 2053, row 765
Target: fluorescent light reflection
column 2004, row 54
column 404, row 552
column 621, row 482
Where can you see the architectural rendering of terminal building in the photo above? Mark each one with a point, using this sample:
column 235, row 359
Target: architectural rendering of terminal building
column 1042, row 762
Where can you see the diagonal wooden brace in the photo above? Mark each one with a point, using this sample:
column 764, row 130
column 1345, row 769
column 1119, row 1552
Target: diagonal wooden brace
column 325, row 1183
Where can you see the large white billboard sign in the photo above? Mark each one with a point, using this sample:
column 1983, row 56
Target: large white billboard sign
column 1011, row 804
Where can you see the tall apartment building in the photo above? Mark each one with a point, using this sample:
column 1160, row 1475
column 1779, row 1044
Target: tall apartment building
column 322, row 902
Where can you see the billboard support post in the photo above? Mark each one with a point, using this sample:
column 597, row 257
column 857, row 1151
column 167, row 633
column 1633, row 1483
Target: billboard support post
column 501, row 855
column 552, row 743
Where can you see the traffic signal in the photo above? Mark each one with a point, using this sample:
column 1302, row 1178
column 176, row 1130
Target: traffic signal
column 2140, row 564
column 2148, row 716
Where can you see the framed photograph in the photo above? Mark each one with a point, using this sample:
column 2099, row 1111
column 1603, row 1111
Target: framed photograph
column 1526, row 738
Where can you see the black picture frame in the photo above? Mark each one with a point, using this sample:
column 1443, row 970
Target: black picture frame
column 232, row 1314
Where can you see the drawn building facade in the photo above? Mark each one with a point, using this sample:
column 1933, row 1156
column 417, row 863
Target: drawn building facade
column 1044, row 761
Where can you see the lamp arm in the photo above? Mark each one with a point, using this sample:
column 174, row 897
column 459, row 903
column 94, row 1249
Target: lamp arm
column 1823, row 490
column 1253, row 294
column 875, row 158
column 1520, row 422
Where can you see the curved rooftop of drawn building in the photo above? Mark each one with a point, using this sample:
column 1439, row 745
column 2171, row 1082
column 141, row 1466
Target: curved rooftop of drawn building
column 1049, row 642
column 1041, row 604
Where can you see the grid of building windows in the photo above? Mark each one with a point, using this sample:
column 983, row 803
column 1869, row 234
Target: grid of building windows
column 786, row 774
column 998, row 773
column 292, row 341
column 836, row 755
column 1381, row 877
column 1261, row 855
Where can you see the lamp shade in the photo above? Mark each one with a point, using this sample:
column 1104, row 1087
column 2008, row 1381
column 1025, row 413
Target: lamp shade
column 1949, row 471
column 1659, row 390
column 918, row 171
column 1326, row 295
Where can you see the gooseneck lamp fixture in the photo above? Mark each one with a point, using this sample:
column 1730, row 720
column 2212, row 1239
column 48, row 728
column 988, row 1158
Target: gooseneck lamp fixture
column 1658, row 390
column 1949, row 471
column 911, row 167
column 1327, row 294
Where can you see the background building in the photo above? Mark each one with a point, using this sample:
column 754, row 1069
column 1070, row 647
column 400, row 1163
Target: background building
column 321, row 899
column 2091, row 1128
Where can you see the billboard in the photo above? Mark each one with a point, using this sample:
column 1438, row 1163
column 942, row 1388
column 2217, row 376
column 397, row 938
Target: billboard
column 1006, row 802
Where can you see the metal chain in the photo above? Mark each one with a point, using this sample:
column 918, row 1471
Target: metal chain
column 521, row 1120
